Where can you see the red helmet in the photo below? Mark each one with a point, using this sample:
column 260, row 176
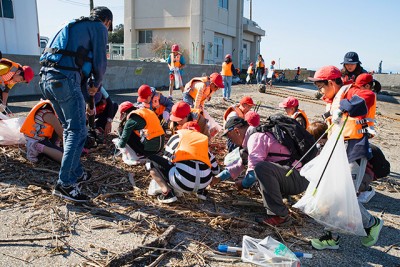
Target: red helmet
column 273, row 62
column 28, row 73
column 228, row 56
column 175, row 48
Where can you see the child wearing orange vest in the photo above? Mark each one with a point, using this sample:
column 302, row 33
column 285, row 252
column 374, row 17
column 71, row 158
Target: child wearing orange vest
column 227, row 72
column 140, row 128
column 42, row 129
column 291, row 106
column 249, row 73
column 187, row 165
column 176, row 62
column 12, row 73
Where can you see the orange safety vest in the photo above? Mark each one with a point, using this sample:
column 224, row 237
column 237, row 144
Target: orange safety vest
column 37, row 130
column 250, row 70
column 260, row 64
column 227, row 69
column 175, row 60
column 155, row 103
column 192, row 91
column 7, row 78
column 235, row 108
column 153, row 127
column 301, row 112
column 355, row 128
column 192, row 146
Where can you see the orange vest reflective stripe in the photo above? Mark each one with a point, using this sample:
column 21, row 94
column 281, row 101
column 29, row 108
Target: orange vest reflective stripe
column 355, row 128
column 301, row 112
column 155, row 103
column 192, row 146
column 250, row 70
column 227, row 69
column 34, row 129
column 7, row 78
column 235, row 108
column 153, row 128
column 175, row 60
column 260, row 64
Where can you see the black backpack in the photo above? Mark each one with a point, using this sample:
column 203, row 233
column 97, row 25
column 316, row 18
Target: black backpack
column 292, row 135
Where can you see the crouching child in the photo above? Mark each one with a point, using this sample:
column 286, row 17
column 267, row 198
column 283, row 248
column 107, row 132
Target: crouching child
column 43, row 132
column 187, row 165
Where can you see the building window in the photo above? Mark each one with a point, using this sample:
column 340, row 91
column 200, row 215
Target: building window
column 6, row 9
column 223, row 4
column 145, row 37
column 218, row 47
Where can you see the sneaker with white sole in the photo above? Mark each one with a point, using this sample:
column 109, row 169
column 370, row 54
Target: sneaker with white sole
column 72, row 192
column 372, row 233
column 31, row 151
column 325, row 242
column 168, row 197
column 86, row 176
column 202, row 194
column 365, row 197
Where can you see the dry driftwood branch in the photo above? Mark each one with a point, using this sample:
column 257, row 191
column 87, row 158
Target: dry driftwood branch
column 129, row 256
column 31, row 239
column 162, row 256
column 45, row 170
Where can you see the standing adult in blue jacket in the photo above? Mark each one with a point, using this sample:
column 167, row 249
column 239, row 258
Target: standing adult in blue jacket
column 78, row 47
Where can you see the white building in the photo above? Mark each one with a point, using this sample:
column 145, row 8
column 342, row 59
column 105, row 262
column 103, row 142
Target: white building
column 19, row 27
column 206, row 30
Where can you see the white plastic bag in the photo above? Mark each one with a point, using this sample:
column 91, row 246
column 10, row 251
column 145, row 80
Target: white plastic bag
column 213, row 126
column 248, row 78
column 267, row 252
column 334, row 203
column 233, row 158
column 178, row 78
column 9, row 131
column 129, row 156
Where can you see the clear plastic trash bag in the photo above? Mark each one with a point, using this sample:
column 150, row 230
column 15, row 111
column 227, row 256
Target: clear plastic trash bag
column 9, row 130
column 213, row 126
column 334, row 203
column 129, row 156
column 267, row 252
column 178, row 78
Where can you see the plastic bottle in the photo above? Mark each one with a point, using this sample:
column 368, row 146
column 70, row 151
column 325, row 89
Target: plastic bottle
column 303, row 255
column 226, row 248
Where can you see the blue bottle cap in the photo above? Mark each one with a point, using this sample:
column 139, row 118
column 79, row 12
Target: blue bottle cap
column 222, row 248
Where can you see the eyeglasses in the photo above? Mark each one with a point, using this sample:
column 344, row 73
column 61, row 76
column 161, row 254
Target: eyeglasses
column 320, row 85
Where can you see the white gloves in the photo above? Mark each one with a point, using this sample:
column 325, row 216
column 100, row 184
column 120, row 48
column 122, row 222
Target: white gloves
column 337, row 116
column 2, row 108
column 165, row 116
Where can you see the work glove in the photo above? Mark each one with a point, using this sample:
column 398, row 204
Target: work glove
column 337, row 116
column 2, row 108
column 165, row 116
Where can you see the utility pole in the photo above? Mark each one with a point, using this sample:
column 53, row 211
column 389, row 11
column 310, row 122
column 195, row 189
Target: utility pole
column 251, row 9
column 91, row 5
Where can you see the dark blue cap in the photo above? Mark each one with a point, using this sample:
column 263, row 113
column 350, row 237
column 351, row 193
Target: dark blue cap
column 351, row 58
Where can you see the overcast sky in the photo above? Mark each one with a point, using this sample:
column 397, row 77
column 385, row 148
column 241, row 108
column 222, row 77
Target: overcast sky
column 309, row 34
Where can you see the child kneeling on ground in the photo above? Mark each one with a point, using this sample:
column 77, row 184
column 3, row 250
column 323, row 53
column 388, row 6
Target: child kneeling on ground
column 187, row 165
column 43, row 132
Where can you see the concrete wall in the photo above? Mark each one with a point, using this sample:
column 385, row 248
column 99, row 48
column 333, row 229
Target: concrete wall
column 120, row 74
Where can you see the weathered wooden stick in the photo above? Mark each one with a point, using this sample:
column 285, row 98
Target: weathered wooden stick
column 31, row 239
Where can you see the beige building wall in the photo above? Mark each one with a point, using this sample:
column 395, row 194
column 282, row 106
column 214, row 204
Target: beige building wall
column 198, row 26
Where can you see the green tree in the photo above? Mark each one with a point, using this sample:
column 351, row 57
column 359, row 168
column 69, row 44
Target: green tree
column 117, row 35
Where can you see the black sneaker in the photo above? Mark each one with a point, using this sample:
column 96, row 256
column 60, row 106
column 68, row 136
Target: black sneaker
column 202, row 194
column 72, row 192
column 86, row 176
column 169, row 197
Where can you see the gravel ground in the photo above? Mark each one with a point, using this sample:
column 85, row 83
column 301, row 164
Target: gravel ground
column 112, row 225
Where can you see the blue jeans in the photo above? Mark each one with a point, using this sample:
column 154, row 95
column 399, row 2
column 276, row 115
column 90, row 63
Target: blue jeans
column 227, row 86
column 67, row 99
column 259, row 74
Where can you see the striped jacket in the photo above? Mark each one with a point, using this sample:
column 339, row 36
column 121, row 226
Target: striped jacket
column 189, row 175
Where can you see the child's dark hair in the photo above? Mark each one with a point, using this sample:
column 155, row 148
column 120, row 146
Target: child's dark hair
column 356, row 72
column 317, row 129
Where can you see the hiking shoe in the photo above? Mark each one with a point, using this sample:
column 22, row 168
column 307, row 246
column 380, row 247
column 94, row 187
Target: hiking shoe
column 365, row 197
column 325, row 242
column 85, row 177
column 168, row 197
column 202, row 194
column 31, row 151
column 72, row 192
column 275, row 220
column 372, row 233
